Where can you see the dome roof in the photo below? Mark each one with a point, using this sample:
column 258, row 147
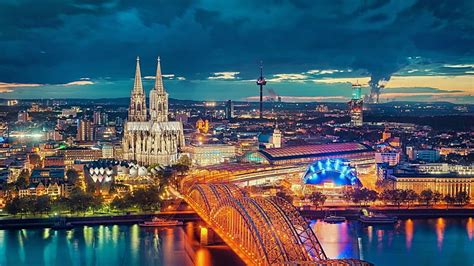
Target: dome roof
column 142, row 171
column 335, row 171
column 133, row 172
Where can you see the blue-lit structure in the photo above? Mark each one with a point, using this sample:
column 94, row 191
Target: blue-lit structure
column 335, row 171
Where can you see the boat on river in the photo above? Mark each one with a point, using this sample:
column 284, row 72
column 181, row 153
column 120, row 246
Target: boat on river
column 334, row 219
column 159, row 222
column 372, row 218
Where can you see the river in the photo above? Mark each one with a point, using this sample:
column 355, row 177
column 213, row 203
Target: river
column 411, row 242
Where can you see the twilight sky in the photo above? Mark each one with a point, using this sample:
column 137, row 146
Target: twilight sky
column 210, row 49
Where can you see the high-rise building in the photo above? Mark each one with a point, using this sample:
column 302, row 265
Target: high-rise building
column 229, row 110
column 85, row 130
column 356, row 106
column 100, row 118
column 118, row 121
column 23, row 116
column 153, row 140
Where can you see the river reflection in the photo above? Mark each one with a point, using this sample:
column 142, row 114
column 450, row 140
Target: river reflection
column 411, row 242
column 110, row 245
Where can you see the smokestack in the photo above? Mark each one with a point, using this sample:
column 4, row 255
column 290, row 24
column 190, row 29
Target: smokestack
column 376, row 87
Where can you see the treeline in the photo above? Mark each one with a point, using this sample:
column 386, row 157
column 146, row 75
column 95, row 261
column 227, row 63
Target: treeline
column 80, row 202
column 398, row 197
column 142, row 199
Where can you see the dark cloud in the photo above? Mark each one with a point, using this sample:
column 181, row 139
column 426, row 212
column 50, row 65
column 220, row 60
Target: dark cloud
column 59, row 41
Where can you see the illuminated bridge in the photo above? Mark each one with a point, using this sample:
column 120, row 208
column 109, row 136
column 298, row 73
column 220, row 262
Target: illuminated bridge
column 261, row 231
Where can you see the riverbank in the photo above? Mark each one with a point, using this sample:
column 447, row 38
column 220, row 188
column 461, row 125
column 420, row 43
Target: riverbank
column 10, row 222
column 400, row 213
column 40, row 222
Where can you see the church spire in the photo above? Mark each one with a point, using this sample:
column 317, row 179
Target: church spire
column 159, row 78
column 137, row 109
column 158, row 98
column 137, row 85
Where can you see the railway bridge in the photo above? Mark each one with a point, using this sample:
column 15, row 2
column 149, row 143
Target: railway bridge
column 260, row 230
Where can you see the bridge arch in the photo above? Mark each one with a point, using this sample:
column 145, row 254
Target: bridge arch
column 263, row 231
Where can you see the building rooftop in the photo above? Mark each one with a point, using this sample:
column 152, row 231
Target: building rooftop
column 314, row 150
column 335, row 171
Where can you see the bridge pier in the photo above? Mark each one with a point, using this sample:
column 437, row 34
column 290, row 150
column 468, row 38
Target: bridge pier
column 207, row 236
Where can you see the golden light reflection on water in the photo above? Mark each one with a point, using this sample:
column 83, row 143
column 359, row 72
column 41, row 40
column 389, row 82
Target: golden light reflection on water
column 409, row 233
column 203, row 257
column 46, row 233
column 134, row 239
column 101, row 235
column 88, row 235
column 70, row 234
column 380, row 234
column 115, row 234
column 440, row 226
column 370, row 233
column 470, row 228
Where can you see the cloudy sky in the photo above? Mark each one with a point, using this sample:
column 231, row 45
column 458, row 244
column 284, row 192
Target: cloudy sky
column 210, row 50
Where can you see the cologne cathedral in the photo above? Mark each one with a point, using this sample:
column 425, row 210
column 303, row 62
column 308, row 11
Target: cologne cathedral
column 149, row 138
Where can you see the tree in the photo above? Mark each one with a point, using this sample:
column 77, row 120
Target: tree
column 96, row 203
column 122, row 203
column 23, row 179
column 147, row 199
column 384, row 184
column 185, row 160
column 410, row 196
column 394, row 196
column 61, row 204
column 42, row 204
column 462, row 198
column 437, row 197
column 79, row 201
column 34, row 159
column 371, row 195
column 72, row 177
column 426, row 196
column 14, row 206
column 360, row 195
column 450, row 200
column 318, row 198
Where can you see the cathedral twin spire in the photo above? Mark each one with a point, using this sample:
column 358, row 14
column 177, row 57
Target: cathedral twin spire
column 158, row 98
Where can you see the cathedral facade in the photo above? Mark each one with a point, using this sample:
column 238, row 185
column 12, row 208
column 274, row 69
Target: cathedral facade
column 149, row 138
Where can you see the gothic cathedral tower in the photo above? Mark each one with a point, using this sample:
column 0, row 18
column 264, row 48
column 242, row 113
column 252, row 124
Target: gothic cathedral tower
column 158, row 98
column 137, row 111
column 151, row 140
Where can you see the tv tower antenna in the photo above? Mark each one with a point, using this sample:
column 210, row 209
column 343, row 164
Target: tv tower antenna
column 261, row 82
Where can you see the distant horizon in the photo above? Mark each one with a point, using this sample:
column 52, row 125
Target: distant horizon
column 238, row 90
column 311, row 50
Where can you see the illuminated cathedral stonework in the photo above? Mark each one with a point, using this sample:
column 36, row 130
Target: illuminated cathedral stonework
column 151, row 139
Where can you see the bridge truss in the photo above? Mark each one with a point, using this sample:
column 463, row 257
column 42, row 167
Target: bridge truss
column 261, row 230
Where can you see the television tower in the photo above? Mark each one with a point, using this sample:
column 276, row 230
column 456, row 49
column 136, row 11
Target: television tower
column 261, row 82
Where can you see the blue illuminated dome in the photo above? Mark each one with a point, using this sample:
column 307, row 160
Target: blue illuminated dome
column 336, row 171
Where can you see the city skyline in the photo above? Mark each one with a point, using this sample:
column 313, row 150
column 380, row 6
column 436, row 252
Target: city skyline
column 421, row 50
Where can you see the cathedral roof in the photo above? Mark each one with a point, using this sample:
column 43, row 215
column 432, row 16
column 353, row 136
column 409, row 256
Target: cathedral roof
column 154, row 126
